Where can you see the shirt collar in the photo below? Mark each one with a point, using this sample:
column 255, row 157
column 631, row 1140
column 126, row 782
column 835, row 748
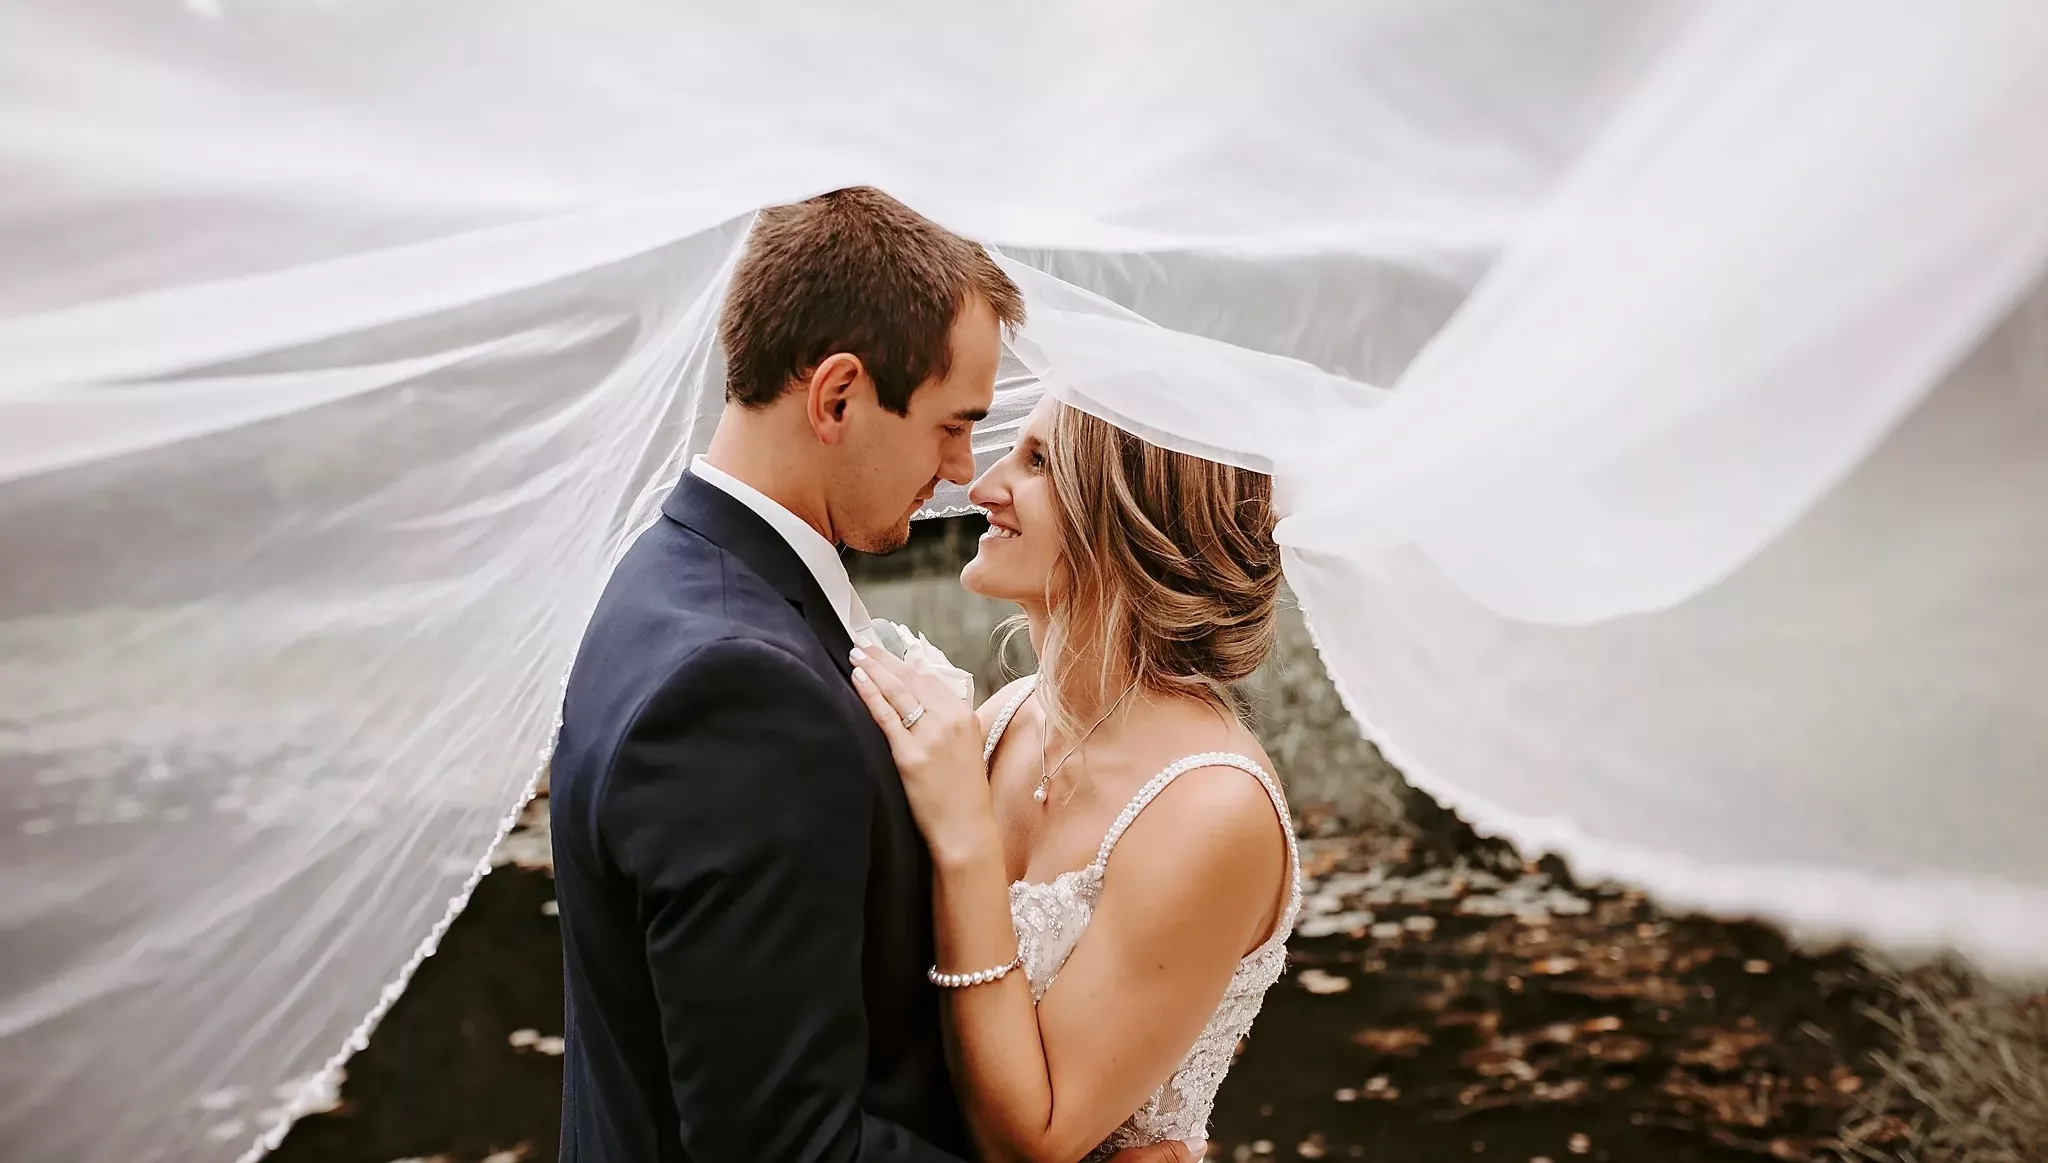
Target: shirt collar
column 818, row 555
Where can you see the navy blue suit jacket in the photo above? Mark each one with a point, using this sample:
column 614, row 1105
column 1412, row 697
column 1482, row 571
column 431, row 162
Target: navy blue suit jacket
column 744, row 898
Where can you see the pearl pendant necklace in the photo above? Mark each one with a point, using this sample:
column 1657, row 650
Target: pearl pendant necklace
column 1045, row 777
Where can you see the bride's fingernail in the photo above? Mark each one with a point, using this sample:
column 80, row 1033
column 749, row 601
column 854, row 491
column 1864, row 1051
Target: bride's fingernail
column 860, row 676
column 856, row 654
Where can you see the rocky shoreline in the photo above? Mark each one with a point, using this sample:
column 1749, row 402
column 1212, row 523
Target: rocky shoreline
column 1434, row 1009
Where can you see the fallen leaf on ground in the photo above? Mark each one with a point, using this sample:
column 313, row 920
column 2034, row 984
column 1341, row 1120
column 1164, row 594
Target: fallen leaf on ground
column 1319, row 981
column 1400, row 1040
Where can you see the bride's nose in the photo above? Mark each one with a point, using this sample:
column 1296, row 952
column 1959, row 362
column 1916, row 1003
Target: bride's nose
column 989, row 490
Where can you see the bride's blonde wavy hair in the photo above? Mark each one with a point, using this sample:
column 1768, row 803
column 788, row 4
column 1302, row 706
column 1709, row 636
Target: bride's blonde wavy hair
column 1168, row 574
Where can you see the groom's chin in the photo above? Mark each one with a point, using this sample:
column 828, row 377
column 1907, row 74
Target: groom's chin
column 882, row 540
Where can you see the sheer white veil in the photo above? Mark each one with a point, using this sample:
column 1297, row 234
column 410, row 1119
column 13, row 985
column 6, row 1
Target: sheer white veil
column 1656, row 395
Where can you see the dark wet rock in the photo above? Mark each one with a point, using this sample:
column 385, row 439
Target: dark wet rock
column 448, row 1074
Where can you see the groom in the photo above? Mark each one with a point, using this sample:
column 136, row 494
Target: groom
column 745, row 901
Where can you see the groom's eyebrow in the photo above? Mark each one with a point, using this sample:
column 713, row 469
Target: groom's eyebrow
column 971, row 415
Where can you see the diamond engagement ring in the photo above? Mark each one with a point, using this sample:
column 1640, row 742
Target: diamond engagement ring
column 916, row 713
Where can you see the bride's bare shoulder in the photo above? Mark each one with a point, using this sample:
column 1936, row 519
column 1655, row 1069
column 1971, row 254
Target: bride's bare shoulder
column 1211, row 847
column 1220, row 800
column 1221, row 790
column 1189, row 727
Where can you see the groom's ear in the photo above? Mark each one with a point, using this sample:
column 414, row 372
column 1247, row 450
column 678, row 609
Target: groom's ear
column 829, row 394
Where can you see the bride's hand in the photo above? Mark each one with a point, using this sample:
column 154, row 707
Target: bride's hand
column 939, row 756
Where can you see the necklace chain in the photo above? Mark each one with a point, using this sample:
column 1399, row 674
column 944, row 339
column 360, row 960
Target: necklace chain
column 1044, row 776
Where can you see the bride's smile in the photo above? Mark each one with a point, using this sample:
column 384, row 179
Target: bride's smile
column 1015, row 559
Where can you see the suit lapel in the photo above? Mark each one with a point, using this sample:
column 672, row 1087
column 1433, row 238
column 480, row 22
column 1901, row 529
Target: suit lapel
column 824, row 622
column 725, row 522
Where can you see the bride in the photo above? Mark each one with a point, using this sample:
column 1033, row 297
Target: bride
column 1115, row 873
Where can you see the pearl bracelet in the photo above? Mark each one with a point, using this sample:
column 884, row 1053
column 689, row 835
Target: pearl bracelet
column 978, row 977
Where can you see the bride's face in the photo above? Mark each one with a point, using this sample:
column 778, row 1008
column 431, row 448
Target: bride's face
column 1015, row 560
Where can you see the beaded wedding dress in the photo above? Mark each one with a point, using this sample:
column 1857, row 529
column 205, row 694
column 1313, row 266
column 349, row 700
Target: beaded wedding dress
column 1051, row 916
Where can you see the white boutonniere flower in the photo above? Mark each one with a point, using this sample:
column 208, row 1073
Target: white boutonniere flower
column 918, row 651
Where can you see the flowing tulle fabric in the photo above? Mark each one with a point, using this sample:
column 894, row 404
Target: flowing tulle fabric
column 1656, row 394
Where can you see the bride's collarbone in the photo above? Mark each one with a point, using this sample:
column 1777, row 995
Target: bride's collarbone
column 1092, row 787
column 1042, row 842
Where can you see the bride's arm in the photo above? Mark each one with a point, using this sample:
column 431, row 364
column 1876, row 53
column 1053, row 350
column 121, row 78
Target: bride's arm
column 1195, row 883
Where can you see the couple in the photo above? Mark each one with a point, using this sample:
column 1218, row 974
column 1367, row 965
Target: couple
column 814, row 905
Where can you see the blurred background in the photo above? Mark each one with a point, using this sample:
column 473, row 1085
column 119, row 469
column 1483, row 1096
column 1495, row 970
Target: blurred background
column 1445, row 999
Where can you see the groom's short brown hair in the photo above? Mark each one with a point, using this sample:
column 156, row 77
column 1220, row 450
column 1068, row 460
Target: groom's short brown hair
column 852, row 271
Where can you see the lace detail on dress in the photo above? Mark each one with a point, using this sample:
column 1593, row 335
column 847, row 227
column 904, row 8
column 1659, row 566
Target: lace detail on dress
column 1051, row 916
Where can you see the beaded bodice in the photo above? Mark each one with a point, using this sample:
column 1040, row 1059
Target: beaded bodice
column 1050, row 918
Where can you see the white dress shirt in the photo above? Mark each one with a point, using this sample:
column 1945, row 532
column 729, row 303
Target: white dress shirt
column 817, row 554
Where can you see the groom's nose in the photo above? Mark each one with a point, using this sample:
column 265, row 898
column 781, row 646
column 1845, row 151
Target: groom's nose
column 957, row 465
